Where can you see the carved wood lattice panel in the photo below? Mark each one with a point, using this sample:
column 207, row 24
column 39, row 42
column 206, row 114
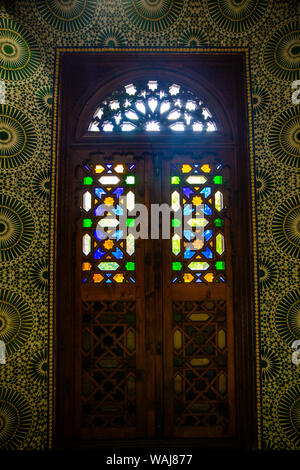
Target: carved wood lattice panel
column 108, row 364
column 200, row 363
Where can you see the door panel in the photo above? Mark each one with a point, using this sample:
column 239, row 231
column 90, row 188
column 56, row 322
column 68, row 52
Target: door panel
column 110, row 304
column 154, row 350
column 197, row 306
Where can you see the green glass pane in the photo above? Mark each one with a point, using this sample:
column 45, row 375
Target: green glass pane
column 108, row 266
column 87, row 180
column 218, row 179
column 177, row 266
column 176, row 223
column 87, row 222
column 130, row 266
column 130, row 222
column 219, row 222
column 220, row 265
column 175, row 180
column 130, row 179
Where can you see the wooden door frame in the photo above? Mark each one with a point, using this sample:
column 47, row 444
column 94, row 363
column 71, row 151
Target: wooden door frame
column 77, row 92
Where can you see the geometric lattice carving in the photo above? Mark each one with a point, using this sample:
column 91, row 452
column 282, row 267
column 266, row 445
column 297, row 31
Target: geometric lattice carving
column 108, row 364
column 200, row 363
column 152, row 108
column 198, row 258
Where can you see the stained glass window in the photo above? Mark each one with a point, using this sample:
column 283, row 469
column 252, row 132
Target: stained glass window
column 152, row 108
column 108, row 255
column 198, row 242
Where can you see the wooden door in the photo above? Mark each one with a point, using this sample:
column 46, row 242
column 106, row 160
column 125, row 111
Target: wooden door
column 153, row 320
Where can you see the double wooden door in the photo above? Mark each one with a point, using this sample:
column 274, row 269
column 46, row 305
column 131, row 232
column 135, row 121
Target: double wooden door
column 153, row 315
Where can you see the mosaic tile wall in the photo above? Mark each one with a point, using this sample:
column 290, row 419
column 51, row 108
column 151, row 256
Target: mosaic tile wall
column 29, row 32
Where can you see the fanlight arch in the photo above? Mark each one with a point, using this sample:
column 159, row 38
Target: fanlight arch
column 152, row 108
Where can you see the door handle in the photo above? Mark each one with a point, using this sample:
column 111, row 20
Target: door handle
column 159, row 348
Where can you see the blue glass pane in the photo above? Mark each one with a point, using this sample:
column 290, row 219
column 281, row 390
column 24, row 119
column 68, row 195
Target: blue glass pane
column 118, row 210
column 98, row 254
column 99, row 210
column 189, row 254
column 187, row 192
column 206, row 191
column 189, row 235
column 187, row 209
column 99, row 192
column 207, row 253
column 207, row 210
column 207, row 234
column 99, row 235
column 118, row 234
column 118, row 192
column 118, row 253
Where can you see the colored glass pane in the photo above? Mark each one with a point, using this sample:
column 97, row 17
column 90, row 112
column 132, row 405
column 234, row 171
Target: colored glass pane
column 205, row 168
column 175, row 201
column 176, row 244
column 87, row 180
column 219, row 201
column 130, row 244
column 219, row 222
column 87, row 223
column 99, row 169
column 218, row 179
column 186, row 168
column 87, row 201
column 198, row 266
column 109, row 180
column 220, row 265
column 130, row 222
column 86, row 244
column 108, row 266
column 130, row 266
column 176, row 266
column 175, row 180
column 195, row 179
column 130, row 180
column 220, row 244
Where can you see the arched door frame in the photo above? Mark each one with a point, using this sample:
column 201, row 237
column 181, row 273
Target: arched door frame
column 233, row 136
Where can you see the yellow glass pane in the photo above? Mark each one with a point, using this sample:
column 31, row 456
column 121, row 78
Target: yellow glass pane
column 99, row 169
column 130, row 341
column 205, row 168
column 188, row 277
column 199, row 317
column 86, row 266
column 119, row 277
column 108, row 201
column 220, row 244
column 186, row 168
column 177, row 383
column 177, row 340
column 222, row 384
column 197, row 200
column 199, row 361
column 97, row 278
column 221, row 339
column 209, row 277
column 108, row 244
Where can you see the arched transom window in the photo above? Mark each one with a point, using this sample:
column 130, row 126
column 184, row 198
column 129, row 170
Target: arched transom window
column 152, row 108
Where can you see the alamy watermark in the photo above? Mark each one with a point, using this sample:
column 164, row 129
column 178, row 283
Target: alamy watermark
column 118, row 223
